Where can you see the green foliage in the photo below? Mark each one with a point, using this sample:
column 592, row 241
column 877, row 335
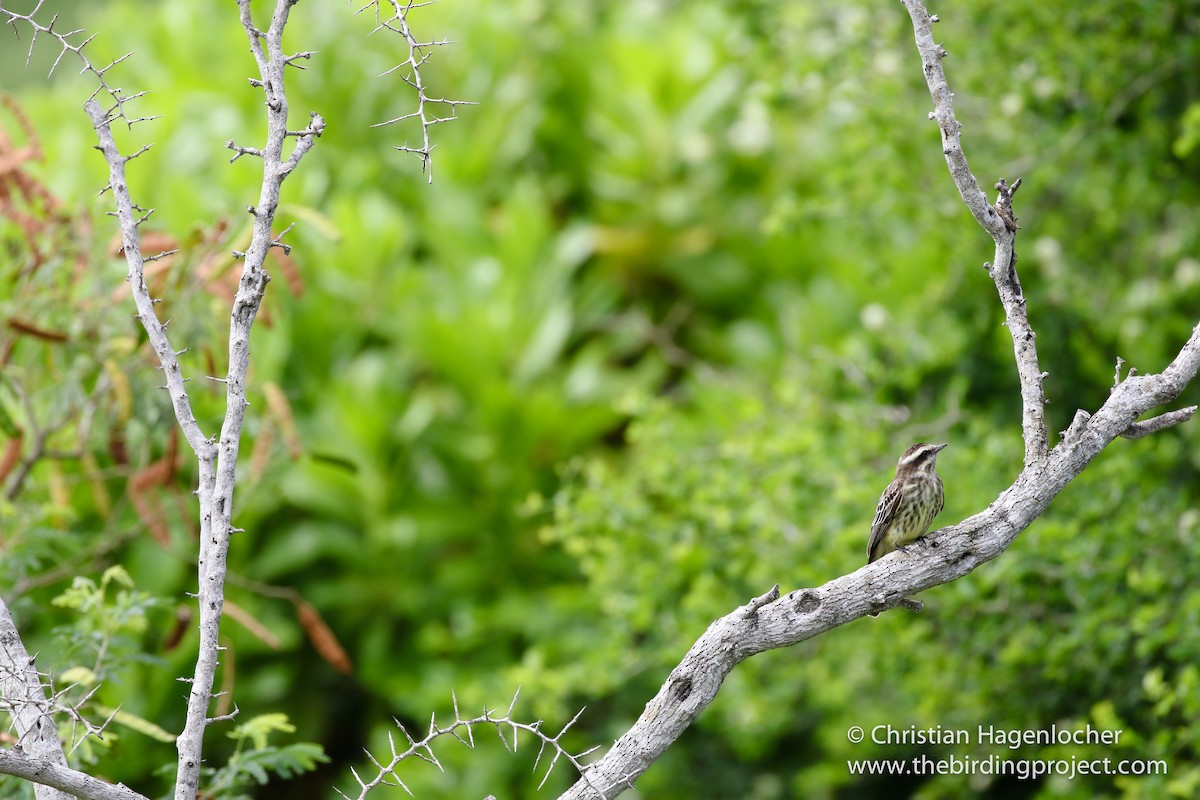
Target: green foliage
column 92, row 659
column 1077, row 624
column 687, row 281
column 107, row 628
column 255, row 760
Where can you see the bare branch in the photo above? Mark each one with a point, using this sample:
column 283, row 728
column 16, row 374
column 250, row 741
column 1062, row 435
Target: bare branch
column 132, row 248
column 306, row 138
column 65, row 42
column 25, row 700
column 410, row 72
column 217, row 475
column 217, row 459
column 156, row 257
column 462, row 727
column 39, row 755
column 65, row 782
column 942, row 556
column 1000, row 223
column 242, row 151
column 751, row 608
column 943, row 113
column 1155, row 424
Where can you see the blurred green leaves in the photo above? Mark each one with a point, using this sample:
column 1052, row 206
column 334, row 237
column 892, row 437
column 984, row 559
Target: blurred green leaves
column 687, row 281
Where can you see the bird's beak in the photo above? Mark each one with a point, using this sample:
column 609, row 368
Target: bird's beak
column 940, row 447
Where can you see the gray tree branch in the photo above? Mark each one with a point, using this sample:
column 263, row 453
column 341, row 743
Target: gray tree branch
column 25, row 699
column 409, row 71
column 62, row 782
column 767, row 623
column 1001, row 225
column 217, row 459
column 550, row 748
column 216, row 456
column 131, row 245
column 939, row 558
column 217, row 474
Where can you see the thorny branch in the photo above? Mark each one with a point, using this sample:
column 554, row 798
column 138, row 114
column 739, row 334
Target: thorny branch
column 217, row 458
column 216, row 455
column 156, row 330
column 30, row 699
column 74, row 42
column 25, row 700
column 219, row 469
column 410, row 72
column 463, row 729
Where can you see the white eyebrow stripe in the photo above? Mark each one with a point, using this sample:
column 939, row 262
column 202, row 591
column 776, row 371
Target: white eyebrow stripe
column 917, row 455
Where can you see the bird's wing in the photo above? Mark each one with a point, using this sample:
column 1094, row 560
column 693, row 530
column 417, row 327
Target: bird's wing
column 885, row 512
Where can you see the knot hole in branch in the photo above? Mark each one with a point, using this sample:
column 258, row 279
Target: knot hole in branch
column 682, row 688
column 808, row 602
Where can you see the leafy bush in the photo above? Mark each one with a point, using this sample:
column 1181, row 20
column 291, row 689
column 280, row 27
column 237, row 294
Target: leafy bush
column 687, row 281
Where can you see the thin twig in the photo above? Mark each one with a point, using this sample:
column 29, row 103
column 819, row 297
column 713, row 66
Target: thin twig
column 462, row 729
column 410, row 72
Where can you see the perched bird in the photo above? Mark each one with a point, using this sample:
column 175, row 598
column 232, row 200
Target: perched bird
column 909, row 503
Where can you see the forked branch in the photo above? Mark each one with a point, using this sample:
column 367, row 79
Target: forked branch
column 218, row 473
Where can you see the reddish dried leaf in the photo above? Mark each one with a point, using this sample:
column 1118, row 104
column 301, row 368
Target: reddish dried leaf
column 28, row 328
column 322, row 637
column 12, row 455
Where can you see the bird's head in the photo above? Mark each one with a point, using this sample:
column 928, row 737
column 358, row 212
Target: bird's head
column 921, row 456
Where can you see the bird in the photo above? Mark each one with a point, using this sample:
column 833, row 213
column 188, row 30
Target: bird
column 909, row 503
